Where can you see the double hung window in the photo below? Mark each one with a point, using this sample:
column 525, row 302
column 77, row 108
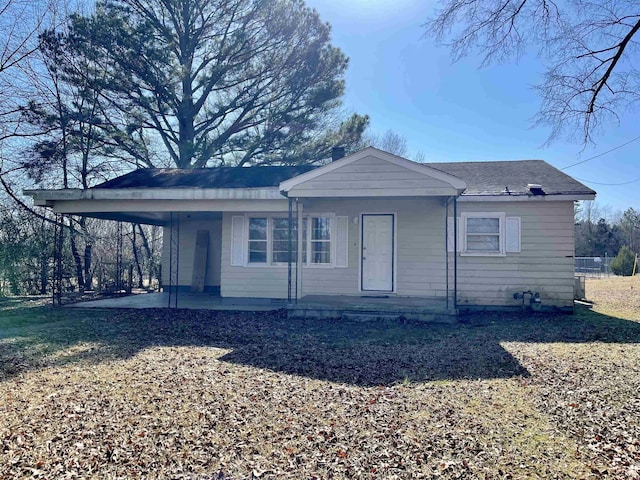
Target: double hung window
column 320, row 240
column 483, row 233
column 268, row 240
column 280, row 240
column 258, row 240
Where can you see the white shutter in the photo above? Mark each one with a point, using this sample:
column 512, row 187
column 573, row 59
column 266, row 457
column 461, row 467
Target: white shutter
column 237, row 241
column 512, row 231
column 342, row 241
column 450, row 235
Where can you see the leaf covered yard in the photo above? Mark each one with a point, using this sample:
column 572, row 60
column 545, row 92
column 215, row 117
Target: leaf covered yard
column 194, row 394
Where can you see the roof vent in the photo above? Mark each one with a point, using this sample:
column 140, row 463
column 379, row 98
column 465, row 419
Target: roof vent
column 535, row 188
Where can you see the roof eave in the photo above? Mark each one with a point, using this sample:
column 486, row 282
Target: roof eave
column 569, row 196
column 48, row 196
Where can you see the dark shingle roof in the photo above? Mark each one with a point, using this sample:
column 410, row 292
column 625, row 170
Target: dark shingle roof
column 221, row 177
column 493, row 178
column 482, row 178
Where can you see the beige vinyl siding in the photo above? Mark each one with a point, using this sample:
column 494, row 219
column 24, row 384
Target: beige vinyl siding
column 370, row 176
column 545, row 263
column 188, row 230
column 420, row 268
column 253, row 281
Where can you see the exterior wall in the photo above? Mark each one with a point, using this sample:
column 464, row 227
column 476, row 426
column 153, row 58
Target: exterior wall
column 188, row 231
column 253, row 281
column 420, row 253
column 545, row 263
column 372, row 177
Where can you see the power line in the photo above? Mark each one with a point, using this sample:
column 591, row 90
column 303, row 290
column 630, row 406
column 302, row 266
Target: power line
column 610, row 184
column 601, row 154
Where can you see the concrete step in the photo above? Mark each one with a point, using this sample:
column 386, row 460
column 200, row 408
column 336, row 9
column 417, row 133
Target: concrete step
column 351, row 314
column 369, row 317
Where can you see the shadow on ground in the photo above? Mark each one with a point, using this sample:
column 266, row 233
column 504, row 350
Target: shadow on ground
column 366, row 354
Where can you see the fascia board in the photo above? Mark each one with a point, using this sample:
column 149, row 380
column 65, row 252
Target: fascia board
column 269, row 193
column 526, row 198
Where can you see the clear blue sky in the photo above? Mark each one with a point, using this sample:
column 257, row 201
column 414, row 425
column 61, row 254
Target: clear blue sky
column 459, row 112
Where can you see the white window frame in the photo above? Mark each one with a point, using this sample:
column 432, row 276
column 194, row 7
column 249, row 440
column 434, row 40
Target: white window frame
column 332, row 239
column 307, row 220
column 501, row 216
column 248, row 240
column 270, row 242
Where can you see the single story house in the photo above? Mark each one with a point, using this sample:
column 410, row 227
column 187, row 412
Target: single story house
column 367, row 225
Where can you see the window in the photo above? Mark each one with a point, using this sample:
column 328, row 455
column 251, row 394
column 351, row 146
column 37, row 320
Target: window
column 280, row 242
column 268, row 240
column 320, row 241
column 483, row 233
column 258, row 240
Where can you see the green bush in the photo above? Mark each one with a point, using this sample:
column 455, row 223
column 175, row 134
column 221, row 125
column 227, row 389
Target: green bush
column 623, row 263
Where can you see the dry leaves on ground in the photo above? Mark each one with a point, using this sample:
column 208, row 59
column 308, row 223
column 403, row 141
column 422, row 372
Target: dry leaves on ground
column 184, row 394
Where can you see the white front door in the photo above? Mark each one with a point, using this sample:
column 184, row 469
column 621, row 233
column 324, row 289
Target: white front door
column 377, row 252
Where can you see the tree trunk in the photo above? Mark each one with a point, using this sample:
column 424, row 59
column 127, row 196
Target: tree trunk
column 44, row 273
column 87, row 257
column 76, row 258
column 148, row 252
column 88, row 277
column 135, row 254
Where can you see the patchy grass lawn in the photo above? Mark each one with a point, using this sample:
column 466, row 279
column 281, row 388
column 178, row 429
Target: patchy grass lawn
column 185, row 394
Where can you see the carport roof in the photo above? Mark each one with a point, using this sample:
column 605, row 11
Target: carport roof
column 220, row 177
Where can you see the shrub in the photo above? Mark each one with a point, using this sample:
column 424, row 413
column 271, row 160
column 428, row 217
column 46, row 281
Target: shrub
column 623, row 263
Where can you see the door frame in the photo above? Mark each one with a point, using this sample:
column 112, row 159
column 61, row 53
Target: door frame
column 394, row 256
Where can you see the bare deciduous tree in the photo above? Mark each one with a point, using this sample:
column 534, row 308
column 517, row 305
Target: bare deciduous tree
column 21, row 22
column 591, row 50
column 389, row 141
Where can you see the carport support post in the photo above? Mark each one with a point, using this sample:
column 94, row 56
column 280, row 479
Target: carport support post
column 455, row 253
column 446, row 248
column 174, row 259
column 289, row 259
column 57, row 260
column 300, row 249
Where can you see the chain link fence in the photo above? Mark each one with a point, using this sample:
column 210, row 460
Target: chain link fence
column 593, row 266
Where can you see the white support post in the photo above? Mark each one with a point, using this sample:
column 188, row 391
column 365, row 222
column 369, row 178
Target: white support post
column 300, row 250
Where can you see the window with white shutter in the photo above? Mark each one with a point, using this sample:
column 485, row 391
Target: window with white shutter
column 237, row 241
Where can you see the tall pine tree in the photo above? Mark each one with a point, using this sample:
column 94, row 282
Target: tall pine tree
column 216, row 82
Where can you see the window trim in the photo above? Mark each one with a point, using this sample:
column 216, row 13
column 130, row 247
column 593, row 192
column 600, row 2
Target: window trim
column 501, row 216
column 332, row 241
column 248, row 240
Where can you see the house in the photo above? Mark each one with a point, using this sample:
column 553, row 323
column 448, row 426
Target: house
column 369, row 225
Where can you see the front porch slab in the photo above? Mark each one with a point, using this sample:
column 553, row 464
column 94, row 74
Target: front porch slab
column 190, row 301
column 365, row 308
